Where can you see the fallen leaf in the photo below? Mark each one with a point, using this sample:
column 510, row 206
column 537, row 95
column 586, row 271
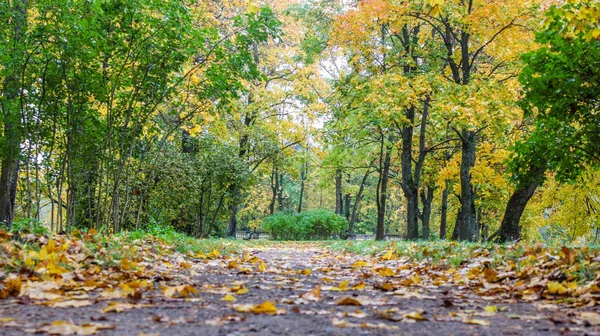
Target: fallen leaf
column 348, row 301
column 415, row 316
column 344, row 324
column 386, row 271
column 11, row 286
column 219, row 321
column 568, row 255
column 555, row 287
column 313, row 295
column 266, row 307
column 476, row 322
column 118, row 307
column 490, row 275
column 356, row 314
column 181, row 291
column 389, row 255
column 72, row 304
column 491, row 309
column 359, row 263
column 41, row 290
column 592, row 318
column 69, row 328
column 228, row 298
column 359, row 286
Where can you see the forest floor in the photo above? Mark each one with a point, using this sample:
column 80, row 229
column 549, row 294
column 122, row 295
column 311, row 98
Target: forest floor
column 85, row 284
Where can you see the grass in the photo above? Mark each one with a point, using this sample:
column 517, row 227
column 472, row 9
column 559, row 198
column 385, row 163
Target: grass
column 189, row 245
column 452, row 254
column 164, row 240
column 446, row 252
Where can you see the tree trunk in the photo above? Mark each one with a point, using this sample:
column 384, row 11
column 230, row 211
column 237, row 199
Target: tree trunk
column 233, row 211
column 242, row 154
column 466, row 221
column 338, row 192
column 11, row 109
column 384, row 174
column 359, row 195
column 280, row 191
column 347, row 206
column 510, row 229
column 303, row 174
column 274, row 188
column 187, row 146
column 483, row 227
column 479, row 224
column 8, row 189
column 444, row 215
column 408, row 184
column 426, row 199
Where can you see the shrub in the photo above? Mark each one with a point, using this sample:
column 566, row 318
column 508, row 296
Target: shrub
column 310, row 225
column 29, row 225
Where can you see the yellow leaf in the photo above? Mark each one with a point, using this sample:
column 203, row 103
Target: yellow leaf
column 242, row 291
column 359, row 286
column 10, row 287
column 435, row 10
column 252, row 8
column 359, row 263
column 228, row 298
column 477, row 322
column 183, row 291
column 51, row 245
column 118, row 307
column 386, row 271
column 389, row 255
column 491, row 309
column 68, row 328
column 266, row 307
column 555, row 287
column 214, row 254
column 415, row 316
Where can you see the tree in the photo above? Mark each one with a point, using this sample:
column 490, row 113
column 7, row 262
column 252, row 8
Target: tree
column 469, row 31
column 15, row 56
column 561, row 81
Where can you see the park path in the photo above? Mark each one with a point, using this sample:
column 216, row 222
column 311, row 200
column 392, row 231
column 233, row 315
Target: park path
column 297, row 289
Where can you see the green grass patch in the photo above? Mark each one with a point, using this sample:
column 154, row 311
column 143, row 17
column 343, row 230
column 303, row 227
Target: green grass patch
column 456, row 254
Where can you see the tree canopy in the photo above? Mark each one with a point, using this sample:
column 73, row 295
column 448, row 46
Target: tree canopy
column 428, row 119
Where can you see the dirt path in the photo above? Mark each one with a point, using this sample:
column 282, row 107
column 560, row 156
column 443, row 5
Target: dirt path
column 355, row 297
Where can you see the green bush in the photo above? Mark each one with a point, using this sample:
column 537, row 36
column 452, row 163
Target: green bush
column 29, row 225
column 317, row 224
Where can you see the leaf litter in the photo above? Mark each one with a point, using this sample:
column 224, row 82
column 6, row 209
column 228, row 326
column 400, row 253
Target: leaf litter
column 554, row 290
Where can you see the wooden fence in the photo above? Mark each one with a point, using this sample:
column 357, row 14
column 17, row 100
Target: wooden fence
column 388, row 237
column 251, row 235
